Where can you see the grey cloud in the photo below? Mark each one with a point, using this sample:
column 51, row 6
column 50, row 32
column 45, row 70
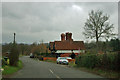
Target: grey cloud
column 119, row 19
column 43, row 20
column 0, row 24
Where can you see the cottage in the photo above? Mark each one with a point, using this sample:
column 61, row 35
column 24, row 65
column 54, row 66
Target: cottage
column 67, row 45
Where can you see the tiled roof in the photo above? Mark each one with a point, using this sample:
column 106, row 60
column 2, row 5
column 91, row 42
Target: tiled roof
column 67, row 45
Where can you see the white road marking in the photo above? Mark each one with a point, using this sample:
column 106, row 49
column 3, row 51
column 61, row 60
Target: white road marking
column 58, row 77
column 51, row 71
column 54, row 74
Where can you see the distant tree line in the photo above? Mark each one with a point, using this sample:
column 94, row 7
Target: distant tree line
column 26, row 49
column 110, row 46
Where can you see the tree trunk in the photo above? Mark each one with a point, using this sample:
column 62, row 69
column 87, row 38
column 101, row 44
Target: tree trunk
column 97, row 45
column 97, row 41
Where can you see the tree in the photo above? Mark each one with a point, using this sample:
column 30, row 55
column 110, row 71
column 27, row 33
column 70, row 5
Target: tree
column 6, row 47
column 14, row 54
column 22, row 48
column 41, row 48
column 115, row 43
column 98, row 26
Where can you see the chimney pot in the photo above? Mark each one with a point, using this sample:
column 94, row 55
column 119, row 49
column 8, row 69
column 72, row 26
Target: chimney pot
column 62, row 37
column 69, row 36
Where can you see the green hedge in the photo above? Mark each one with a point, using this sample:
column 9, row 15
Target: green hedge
column 106, row 61
column 86, row 60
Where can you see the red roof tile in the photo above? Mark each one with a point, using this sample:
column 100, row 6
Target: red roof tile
column 69, row 45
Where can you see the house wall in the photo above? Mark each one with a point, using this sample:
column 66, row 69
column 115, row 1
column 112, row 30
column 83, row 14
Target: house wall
column 69, row 51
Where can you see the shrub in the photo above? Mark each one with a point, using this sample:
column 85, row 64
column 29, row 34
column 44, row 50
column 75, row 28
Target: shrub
column 4, row 62
column 14, row 55
column 108, row 61
column 87, row 60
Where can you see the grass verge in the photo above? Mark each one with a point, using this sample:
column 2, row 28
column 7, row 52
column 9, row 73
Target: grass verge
column 101, row 72
column 11, row 69
column 50, row 61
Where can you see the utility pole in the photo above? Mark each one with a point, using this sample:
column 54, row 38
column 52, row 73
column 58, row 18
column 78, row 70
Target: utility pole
column 14, row 38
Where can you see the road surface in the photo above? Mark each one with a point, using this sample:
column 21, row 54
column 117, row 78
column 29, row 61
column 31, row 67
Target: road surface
column 40, row 69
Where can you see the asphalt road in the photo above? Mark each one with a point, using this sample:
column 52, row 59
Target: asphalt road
column 40, row 69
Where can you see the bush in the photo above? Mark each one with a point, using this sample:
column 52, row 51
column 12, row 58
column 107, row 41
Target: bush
column 14, row 55
column 88, row 61
column 106, row 61
column 4, row 62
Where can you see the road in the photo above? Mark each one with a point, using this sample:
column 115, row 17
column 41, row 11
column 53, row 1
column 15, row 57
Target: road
column 40, row 69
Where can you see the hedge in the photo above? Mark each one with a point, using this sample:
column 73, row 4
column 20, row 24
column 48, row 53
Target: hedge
column 88, row 61
column 106, row 61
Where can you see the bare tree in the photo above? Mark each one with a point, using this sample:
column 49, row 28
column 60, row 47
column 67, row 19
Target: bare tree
column 98, row 26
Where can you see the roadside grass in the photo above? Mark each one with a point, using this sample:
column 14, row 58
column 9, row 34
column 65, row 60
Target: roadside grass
column 98, row 71
column 101, row 72
column 50, row 61
column 21, row 55
column 72, row 64
column 11, row 69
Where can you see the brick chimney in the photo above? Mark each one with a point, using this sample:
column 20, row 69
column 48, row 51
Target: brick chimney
column 62, row 37
column 69, row 36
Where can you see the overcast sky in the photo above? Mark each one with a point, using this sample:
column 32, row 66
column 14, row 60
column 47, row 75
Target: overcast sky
column 37, row 21
column 119, row 20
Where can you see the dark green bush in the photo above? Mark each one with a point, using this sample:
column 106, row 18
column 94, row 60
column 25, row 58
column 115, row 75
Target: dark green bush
column 4, row 62
column 14, row 55
column 108, row 61
column 87, row 60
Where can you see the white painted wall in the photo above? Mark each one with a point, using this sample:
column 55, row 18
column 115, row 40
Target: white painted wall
column 69, row 51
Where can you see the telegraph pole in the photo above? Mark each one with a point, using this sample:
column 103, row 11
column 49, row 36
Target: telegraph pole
column 14, row 37
column 14, row 55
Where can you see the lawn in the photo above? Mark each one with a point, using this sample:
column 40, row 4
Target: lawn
column 10, row 69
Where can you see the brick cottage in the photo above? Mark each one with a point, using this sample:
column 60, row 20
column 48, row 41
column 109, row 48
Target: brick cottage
column 67, row 45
